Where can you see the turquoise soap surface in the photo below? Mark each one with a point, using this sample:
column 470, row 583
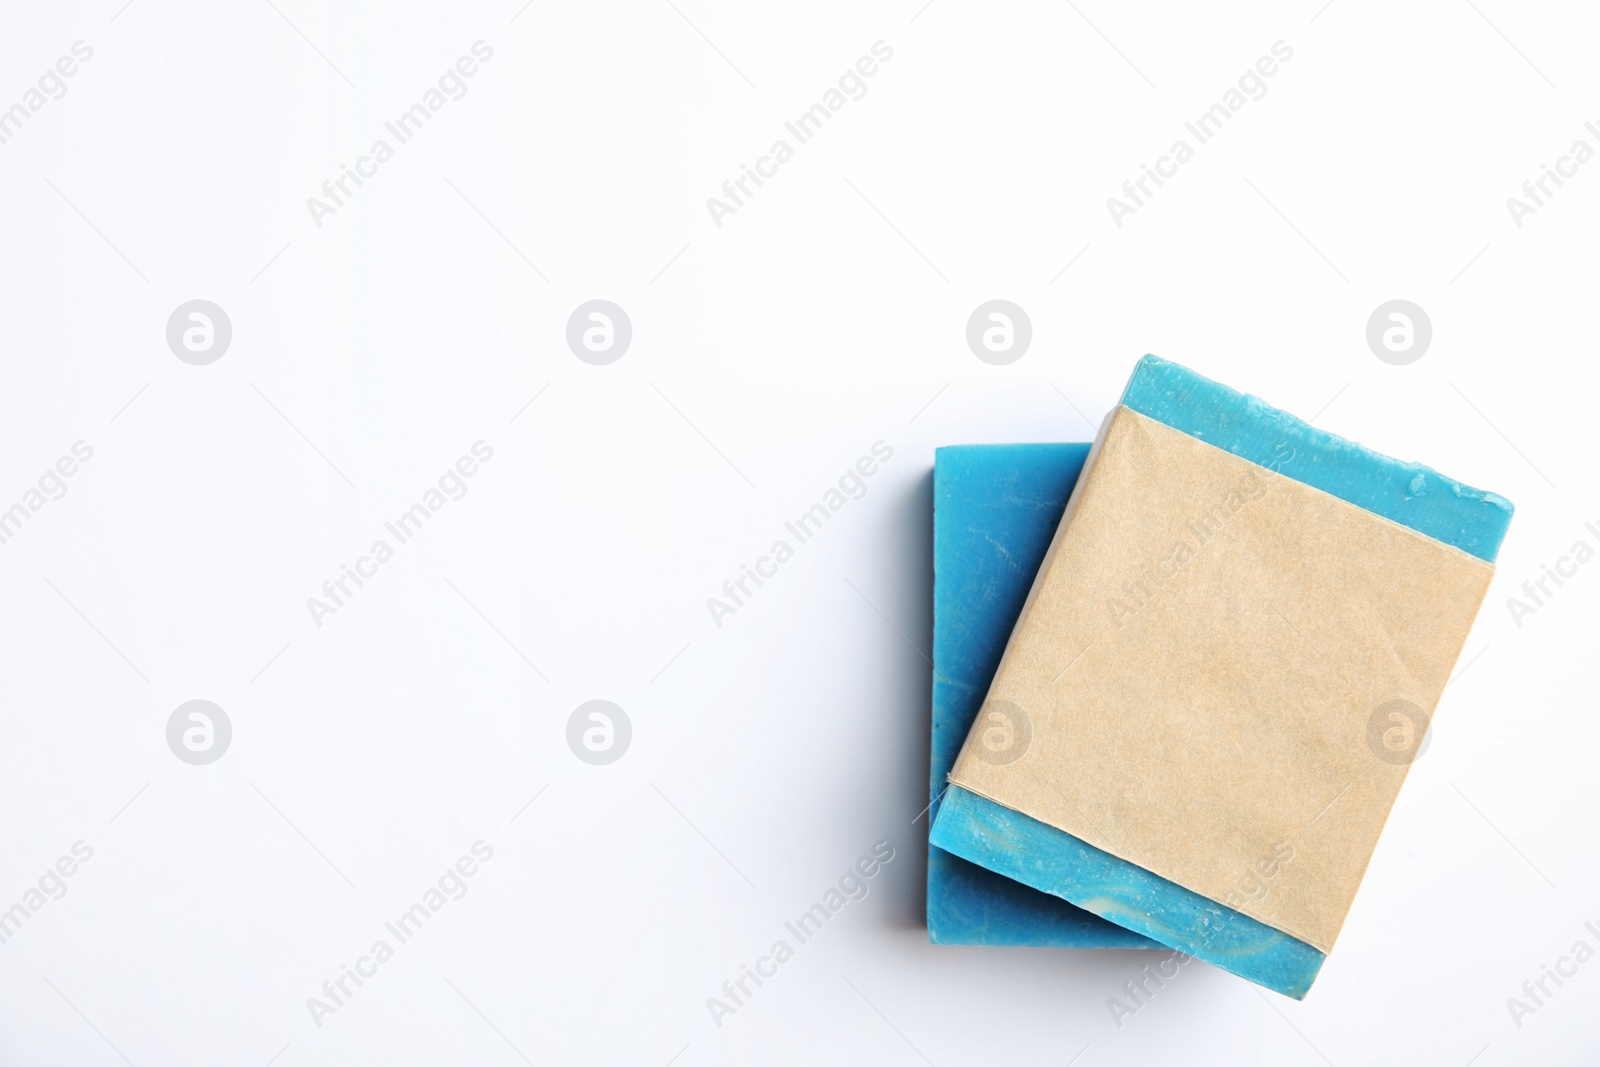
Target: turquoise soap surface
column 1407, row 493
column 1052, row 861
column 996, row 508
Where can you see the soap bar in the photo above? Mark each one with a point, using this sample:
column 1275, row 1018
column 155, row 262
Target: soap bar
column 1189, row 731
column 995, row 510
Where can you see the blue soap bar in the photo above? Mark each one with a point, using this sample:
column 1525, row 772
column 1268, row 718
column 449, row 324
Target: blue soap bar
column 1052, row 861
column 995, row 510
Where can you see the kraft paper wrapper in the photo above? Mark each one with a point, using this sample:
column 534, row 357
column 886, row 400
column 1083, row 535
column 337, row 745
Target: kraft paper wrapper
column 1201, row 678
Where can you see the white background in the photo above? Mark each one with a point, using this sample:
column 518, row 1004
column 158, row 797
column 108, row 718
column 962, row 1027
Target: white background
column 768, row 354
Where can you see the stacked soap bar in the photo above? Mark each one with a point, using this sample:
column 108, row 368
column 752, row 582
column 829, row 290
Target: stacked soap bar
column 995, row 509
column 1190, row 731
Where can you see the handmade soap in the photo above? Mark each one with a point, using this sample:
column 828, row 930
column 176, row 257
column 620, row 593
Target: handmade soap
column 1191, row 730
column 995, row 510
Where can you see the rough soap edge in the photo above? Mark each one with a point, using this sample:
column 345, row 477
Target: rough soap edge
column 1055, row 862
column 1009, row 922
column 1477, row 525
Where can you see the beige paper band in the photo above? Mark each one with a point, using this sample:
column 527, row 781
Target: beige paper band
column 1218, row 674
